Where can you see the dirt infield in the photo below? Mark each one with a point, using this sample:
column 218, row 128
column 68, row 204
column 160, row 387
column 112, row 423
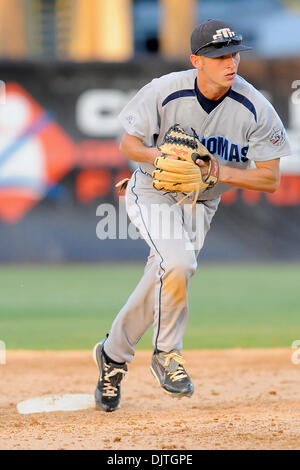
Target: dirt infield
column 244, row 399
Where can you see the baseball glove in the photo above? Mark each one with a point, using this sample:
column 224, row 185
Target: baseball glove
column 184, row 175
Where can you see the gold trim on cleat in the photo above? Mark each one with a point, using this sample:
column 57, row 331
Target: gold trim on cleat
column 174, row 395
column 94, row 353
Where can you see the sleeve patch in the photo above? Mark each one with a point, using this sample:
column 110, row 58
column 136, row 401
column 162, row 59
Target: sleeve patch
column 130, row 118
column 278, row 136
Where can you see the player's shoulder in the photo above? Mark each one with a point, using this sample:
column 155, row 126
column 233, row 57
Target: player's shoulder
column 174, row 81
column 245, row 89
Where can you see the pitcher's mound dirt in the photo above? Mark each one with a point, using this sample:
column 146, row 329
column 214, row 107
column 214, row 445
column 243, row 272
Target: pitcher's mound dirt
column 244, row 399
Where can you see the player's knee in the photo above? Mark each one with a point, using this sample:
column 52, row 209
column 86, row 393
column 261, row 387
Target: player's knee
column 184, row 268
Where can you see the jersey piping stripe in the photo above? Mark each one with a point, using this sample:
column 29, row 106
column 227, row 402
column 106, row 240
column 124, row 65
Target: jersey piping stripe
column 162, row 260
column 178, row 94
column 244, row 101
column 232, row 94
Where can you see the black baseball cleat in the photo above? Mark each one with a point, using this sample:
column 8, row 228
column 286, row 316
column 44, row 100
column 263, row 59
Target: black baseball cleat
column 108, row 390
column 168, row 369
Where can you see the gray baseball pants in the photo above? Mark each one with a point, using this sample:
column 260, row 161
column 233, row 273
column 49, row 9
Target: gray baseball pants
column 175, row 235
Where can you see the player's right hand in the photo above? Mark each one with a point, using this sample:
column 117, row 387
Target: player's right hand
column 203, row 166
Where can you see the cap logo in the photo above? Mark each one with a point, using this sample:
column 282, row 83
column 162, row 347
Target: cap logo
column 223, row 33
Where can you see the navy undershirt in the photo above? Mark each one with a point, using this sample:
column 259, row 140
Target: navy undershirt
column 207, row 104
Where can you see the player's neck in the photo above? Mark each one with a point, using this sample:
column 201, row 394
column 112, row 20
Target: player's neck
column 211, row 91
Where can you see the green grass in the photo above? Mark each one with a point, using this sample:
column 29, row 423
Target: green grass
column 72, row 307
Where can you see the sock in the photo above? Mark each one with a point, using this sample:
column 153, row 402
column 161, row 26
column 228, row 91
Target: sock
column 108, row 359
column 157, row 351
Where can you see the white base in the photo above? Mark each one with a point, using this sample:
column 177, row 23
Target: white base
column 67, row 402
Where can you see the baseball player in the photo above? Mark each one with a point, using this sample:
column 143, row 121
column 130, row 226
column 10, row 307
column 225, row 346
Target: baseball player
column 244, row 139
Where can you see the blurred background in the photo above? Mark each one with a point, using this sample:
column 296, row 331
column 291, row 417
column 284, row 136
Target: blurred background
column 67, row 68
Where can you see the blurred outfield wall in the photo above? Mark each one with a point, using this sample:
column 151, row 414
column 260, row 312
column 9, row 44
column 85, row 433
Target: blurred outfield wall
column 59, row 160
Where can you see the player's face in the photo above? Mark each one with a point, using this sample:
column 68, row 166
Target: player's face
column 222, row 69
column 219, row 71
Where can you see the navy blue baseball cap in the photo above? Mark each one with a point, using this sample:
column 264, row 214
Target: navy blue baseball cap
column 215, row 38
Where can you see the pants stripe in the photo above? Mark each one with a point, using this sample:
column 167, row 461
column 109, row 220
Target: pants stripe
column 160, row 264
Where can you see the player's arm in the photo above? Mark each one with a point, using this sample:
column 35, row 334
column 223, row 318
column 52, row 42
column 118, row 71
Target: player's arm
column 133, row 148
column 265, row 177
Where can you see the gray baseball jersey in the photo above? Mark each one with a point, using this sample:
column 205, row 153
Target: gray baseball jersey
column 240, row 128
column 243, row 128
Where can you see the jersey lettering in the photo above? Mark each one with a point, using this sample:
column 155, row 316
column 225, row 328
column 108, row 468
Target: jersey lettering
column 234, row 154
column 225, row 149
column 212, row 145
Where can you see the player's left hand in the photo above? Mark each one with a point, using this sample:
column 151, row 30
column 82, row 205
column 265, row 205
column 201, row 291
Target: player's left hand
column 195, row 169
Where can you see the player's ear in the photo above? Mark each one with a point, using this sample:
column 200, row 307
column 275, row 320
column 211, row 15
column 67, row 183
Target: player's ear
column 196, row 61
